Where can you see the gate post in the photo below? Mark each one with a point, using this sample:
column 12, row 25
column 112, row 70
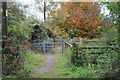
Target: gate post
column 52, row 44
column 44, row 46
column 4, row 22
column 63, row 45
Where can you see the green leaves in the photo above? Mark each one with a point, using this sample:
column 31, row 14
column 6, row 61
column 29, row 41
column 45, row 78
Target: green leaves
column 100, row 28
column 20, row 31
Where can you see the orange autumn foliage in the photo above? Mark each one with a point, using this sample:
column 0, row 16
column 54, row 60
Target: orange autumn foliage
column 79, row 19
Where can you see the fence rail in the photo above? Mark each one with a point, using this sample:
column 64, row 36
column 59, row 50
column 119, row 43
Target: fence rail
column 87, row 41
column 70, row 44
column 45, row 45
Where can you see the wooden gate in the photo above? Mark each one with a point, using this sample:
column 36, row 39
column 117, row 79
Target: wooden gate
column 49, row 45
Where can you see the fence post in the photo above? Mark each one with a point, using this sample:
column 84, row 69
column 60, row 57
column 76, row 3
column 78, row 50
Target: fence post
column 4, row 23
column 52, row 44
column 43, row 46
column 63, row 45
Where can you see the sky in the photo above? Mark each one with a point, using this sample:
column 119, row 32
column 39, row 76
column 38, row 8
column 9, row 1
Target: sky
column 33, row 11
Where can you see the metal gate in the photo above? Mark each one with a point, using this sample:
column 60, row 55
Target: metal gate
column 49, row 45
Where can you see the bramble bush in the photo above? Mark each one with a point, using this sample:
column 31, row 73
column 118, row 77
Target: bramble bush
column 20, row 29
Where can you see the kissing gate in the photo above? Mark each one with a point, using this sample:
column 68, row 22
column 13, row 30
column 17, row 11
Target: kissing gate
column 49, row 45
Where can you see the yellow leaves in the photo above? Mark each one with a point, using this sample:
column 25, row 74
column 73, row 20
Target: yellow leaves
column 74, row 16
column 81, row 4
column 96, row 22
column 68, row 15
column 89, row 33
column 61, row 21
column 59, row 31
column 80, row 31
column 71, row 28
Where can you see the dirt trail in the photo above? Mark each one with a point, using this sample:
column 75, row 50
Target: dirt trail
column 47, row 65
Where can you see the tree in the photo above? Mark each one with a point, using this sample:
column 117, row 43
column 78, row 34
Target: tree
column 111, row 36
column 78, row 19
column 45, row 7
column 114, row 15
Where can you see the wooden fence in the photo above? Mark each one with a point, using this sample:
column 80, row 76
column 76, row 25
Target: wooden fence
column 77, row 42
column 81, row 52
column 47, row 45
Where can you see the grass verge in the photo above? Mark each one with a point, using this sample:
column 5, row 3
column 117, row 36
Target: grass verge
column 62, row 68
column 61, row 65
column 33, row 61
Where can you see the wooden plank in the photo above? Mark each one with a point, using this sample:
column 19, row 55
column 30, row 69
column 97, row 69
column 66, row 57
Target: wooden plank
column 48, row 46
column 37, row 40
column 75, row 41
column 89, row 47
column 69, row 44
column 38, row 43
column 97, row 47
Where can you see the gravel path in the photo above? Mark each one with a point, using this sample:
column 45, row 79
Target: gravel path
column 47, row 65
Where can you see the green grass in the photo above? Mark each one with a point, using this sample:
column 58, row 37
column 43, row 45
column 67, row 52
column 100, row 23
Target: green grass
column 33, row 60
column 62, row 62
column 63, row 68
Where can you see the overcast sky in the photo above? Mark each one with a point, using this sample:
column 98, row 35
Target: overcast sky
column 32, row 10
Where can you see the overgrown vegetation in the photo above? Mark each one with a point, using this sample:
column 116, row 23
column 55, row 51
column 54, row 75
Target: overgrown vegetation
column 105, row 63
column 92, row 63
column 64, row 69
column 32, row 61
column 19, row 60
column 20, row 29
